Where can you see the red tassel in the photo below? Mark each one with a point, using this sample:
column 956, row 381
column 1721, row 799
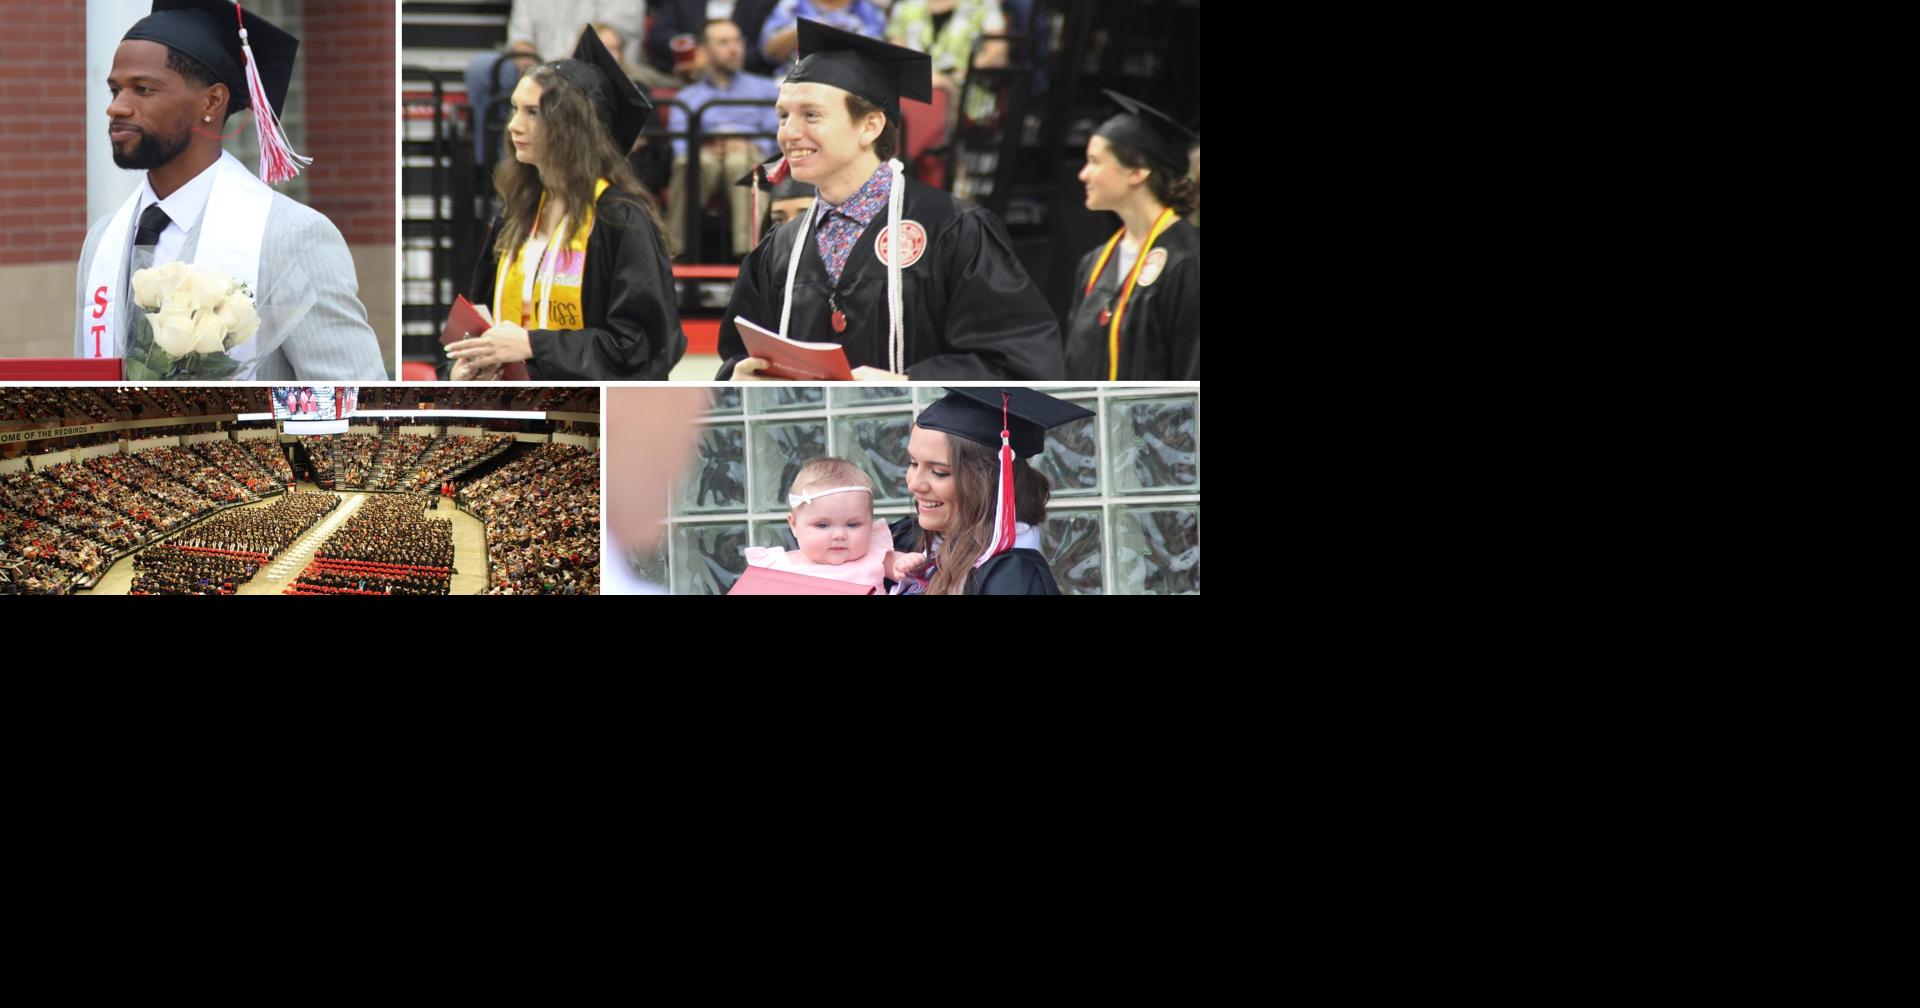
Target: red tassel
column 756, row 208
column 1003, row 511
column 278, row 160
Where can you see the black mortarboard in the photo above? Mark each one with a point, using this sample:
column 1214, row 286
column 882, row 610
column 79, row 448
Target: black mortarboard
column 787, row 189
column 622, row 106
column 975, row 414
column 209, row 31
column 1149, row 131
column 878, row 71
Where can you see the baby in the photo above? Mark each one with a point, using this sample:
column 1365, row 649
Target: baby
column 831, row 514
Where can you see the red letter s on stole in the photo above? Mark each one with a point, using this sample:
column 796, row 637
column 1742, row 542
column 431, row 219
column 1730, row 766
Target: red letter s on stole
column 100, row 303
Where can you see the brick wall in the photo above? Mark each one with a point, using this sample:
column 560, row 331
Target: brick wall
column 347, row 55
column 43, row 179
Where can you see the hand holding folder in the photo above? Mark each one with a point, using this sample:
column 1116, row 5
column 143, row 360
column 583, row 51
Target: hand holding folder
column 468, row 320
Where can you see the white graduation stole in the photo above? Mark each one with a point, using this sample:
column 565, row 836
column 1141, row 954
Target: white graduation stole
column 231, row 229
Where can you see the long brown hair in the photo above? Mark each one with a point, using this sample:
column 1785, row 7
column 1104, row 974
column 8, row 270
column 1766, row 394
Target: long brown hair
column 578, row 152
column 976, row 475
column 1180, row 192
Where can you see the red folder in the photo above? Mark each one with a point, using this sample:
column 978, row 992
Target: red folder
column 465, row 322
column 767, row 581
column 61, row 369
column 792, row 359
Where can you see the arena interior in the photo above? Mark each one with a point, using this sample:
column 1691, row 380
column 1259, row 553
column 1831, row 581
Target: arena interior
column 201, row 491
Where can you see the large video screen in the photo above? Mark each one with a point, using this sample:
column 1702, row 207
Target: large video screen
column 314, row 402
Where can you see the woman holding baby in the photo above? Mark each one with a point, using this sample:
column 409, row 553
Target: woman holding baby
column 975, row 529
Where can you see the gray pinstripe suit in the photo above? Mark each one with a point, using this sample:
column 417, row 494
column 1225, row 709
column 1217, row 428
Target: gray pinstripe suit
column 300, row 248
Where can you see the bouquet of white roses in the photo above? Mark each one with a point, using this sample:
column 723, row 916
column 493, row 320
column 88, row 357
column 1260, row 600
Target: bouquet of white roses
column 191, row 317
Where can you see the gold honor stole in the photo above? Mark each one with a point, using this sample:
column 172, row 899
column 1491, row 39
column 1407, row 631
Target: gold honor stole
column 556, row 279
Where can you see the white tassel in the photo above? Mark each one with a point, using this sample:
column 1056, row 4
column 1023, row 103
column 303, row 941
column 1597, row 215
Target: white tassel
column 278, row 160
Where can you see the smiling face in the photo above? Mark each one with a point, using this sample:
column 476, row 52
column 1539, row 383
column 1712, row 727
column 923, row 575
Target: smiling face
column 833, row 529
column 154, row 109
column 930, row 478
column 823, row 144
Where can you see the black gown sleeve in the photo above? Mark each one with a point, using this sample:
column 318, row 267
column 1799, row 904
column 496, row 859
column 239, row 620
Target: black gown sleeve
column 1181, row 321
column 1013, row 573
column 750, row 300
column 997, row 324
column 638, row 336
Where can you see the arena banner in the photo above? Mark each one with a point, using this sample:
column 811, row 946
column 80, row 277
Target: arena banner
column 42, row 434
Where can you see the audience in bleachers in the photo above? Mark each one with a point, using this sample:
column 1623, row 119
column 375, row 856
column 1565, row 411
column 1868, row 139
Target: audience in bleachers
column 543, row 522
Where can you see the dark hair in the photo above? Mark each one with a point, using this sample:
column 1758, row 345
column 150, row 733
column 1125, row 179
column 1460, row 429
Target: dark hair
column 976, row 475
column 1172, row 190
column 887, row 144
column 195, row 73
column 579, row 151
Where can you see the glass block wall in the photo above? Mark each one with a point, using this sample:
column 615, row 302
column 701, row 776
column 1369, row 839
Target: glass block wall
column 1124, row 518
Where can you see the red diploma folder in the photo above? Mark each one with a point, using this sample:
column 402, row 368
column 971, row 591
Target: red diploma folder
column 466, row 321
column 767, row 581
column 792, row 359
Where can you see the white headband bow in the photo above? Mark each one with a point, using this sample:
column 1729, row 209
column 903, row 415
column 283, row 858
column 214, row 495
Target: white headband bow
column 795, row 500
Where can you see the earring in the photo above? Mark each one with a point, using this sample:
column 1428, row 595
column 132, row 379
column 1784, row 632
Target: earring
column 206, row 118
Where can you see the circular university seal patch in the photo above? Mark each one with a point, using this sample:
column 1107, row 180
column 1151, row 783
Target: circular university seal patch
column 1150, row 270
column 914, row 236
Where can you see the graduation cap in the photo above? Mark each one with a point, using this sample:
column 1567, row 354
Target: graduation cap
column 252, row 56
column 980, row 414
column 1014, row 419
column 622, row 106
column 1149, row 131
column 878, row 71
column 786, row 188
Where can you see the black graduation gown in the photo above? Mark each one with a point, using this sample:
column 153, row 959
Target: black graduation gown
column 1015, row 572
column 971, row 310
column 632, row 324
column 1160, row 335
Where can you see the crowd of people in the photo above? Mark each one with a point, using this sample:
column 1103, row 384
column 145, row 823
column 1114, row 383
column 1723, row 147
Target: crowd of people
column 195, row 472
column 452, row 455
column 542, row 512
column 61, row 526
column 40, row 553
column 393, row 529
column 266, row 530
column 169, row 569
column 107, row 405
column 355, row 577
column 29, row 405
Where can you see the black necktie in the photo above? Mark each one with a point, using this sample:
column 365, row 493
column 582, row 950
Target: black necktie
column 153, row 220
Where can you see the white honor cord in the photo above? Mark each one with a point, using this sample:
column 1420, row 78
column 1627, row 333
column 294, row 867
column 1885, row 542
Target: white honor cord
column 547, row 266
column 795, row 501
column 793, row 262
column 896, row 327
column 896, row 324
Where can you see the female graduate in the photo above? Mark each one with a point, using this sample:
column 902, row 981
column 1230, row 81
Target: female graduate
column 978, row 504
column 1136, row 307
column 578, row 277
column 954, row 304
